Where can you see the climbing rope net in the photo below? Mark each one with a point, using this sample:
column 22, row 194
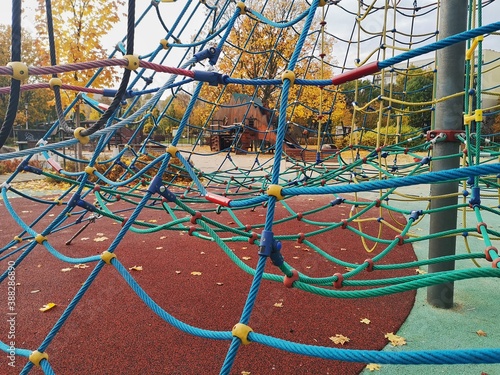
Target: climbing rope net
column 305, row 125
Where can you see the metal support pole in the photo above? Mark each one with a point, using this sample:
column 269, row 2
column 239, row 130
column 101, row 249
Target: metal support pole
column 449, row 116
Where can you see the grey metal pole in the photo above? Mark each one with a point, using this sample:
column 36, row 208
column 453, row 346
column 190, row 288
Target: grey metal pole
column 449, row 116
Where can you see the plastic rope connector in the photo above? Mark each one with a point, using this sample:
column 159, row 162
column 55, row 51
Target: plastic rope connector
column 288, row 281
column 218, row 199
column 81, row 138
column 266, row 243
column 400, row 239
column 213, row 78
column 275, row 191
column 494, row 264
column 154, row 185
column 40, row 238
column 164, row 44
column 243, row 8
column 338, row 283
column 197, row 215
column 107, row 256
column 288, row 74
column 167, row 194
column 475, row 196
column 133, row 61
column 19, row 70
column 488, row 251
column 55, row 82
column 477, row 116
column 414, row 215
column 18, row 239
column 337, row 201
column 172, row 150
column 241, row 331
column 369, row 268
column 36, row 357
column 90, row 170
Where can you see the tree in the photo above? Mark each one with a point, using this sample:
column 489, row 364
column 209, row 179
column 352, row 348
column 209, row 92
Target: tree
column 78, row 28
column 38, row 110
column 256, row 50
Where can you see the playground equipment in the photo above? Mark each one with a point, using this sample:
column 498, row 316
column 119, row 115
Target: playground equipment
column 462, row 161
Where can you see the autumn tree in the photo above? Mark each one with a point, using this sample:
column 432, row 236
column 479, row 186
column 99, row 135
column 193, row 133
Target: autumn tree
column 256, row 50
column 78, row 29
column 35, row 100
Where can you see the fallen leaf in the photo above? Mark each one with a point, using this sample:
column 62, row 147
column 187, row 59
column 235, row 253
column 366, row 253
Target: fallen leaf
column 163, row 237
column 202, row 252
column 246, row 258
column 339, row 339
column 159, row 248
column 297, row 246
column 295, row 257
column 278, row 304
column 343, row 249
column 481, row 333
column 395, row 339
column 100, row 239
column 66, row 269
column 177, row 272
column 220, row 284
column 35, row 291
column 47, row 307
column 84, row 239
column 196, row 273
column 245, row 373
column 152, row 221
column 349, row 269
column 373, row 367
column 420, row 272
column 365, row 321
column 81, row 266
column 99, row 234
column 135, row 268
column 244, row 247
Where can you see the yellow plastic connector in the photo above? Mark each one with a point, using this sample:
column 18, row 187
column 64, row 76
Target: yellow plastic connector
column 164, row 44
column 242, row 6
column 19, row 70
column 241, row 331
column 55, row 82
column 470, row 52
column 106, row 257
column 18, row 239
column 90, row 170
column 477, row 116
column 275, row 191
column 288, row 74
column 36, row 357
column 40, row 239
column 133, row 61
column 83, row 139
column 172, row 150
column 58, row 201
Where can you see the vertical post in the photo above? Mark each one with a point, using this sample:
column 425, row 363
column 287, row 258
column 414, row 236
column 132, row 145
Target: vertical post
column 26, row 113
column 449, row 116
column 78, row 149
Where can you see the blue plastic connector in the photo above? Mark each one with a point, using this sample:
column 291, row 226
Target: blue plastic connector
column 470, row 181
column 266, row 243
column 465, row 193
column 425, row 160
column 337, row 201
column 154, row 186
column 169, row 196
column 29, row 168
column 88, row 206
column 475, row 197
column 414, row 215
column 384, row 154
column 276, row 256
column 213, row 78
column 109, row 92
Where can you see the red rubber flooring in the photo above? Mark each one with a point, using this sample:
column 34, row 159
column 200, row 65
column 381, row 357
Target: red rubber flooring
column 112, row 332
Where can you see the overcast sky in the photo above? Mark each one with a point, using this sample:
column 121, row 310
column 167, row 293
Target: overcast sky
column 339, row 23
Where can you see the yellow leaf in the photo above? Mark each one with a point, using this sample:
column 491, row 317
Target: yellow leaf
column 220, row 284
column 365, row 321
column 100, row 239
column 152, row 221
column 245, row 373
column 339, row 339
column 163, row 237
column 373, row 367
column 420, row 272
column 177, row 272
column 48, row 306
column 481, row 333
column 246, row 258
column 202, row 252
column 278, row 304
column 348, row 269
column 136, row 268
column 66, row 269
column 159, row 248
column 82, row 266
column 84, row 239
column 395, row 339
column 196, row 273
column 35, row 291
column 295, row 257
